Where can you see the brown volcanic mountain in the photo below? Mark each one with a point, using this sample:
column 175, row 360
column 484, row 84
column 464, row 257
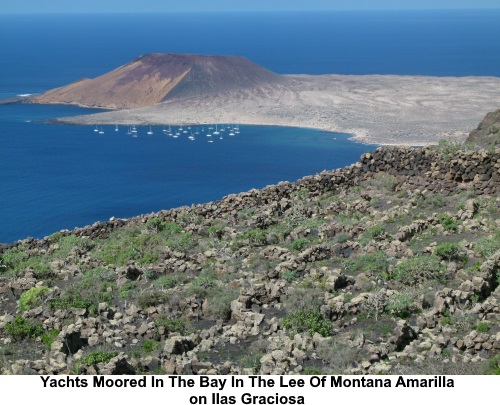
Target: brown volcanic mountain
column 152, row 78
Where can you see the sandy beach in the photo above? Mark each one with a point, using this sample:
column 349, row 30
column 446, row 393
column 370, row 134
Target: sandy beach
column 377, row 109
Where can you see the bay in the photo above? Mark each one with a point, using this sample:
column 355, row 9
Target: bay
column 54, row 177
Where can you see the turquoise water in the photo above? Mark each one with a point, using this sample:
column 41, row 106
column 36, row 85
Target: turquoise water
column 54, row 177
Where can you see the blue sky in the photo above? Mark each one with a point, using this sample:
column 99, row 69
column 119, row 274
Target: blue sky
column 81, row 6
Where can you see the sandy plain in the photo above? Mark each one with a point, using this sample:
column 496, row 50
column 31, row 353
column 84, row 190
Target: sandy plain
column 377, row 109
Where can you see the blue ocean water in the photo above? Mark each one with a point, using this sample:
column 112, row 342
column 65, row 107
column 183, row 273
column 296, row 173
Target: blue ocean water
column 55, row 176
column 61, row 176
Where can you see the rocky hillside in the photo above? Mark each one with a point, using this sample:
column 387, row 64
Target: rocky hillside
column 391, row 265
column 152, row 78
column 488, row 132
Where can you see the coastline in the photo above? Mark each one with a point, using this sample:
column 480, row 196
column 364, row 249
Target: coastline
column 375, row 109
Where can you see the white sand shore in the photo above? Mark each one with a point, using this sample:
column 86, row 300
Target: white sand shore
column 379, row 109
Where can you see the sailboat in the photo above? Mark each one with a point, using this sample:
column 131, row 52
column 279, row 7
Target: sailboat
column 133, row 130
column 216, row 132
column 116, row 128
column 169, row 130
column 237, row 129
column 150, row 132
column 96, row 130
column 231, row 131
column 191, row 137
column 101, row 131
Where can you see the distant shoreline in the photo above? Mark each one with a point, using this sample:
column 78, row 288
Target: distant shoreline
column 375, row 109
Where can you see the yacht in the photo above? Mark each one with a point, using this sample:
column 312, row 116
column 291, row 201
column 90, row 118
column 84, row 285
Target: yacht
column 116, row 128
column 96, row 129
column 101, row 131
column 150, row 132
column 216, row 132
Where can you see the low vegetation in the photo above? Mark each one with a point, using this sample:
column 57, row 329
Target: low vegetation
column 314, row 277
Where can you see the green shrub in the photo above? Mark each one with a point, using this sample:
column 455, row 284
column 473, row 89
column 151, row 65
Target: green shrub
column 448, row 222
column 482, row 327
column 299, row 244
column 167, row 282
column 152, row 298
column 308, row 320
column 126, row 290
column 49, row 337
column 219, row 302
column 181, row 242
column 32, row 298
column 97, row 277
column 309, row 370
column 492, row 366
column 70, row 242
column 155, row 225
column 151, row 345
column 431, row 201
column 128, row 244
column 384, row 181
column 447, row 147
column 289, row 276
column 493, row 129
column 255, row 236
column 401, row 305
column 376, row 232
column 342, row 237
column 21, row 328
column 173, row 325
column 12, row 258
column 474, row 268
column 251, row 360
column 97, row 356
column 376, row 263
column 450, row 251
column 487, row 246
column 75, row 297
column 303, row 299
column 419, row 269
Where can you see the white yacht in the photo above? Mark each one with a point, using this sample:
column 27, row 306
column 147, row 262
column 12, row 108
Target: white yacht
column 150, row 132
column 216, row 132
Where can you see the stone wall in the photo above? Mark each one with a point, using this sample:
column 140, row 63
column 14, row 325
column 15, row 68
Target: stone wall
column 424, row 168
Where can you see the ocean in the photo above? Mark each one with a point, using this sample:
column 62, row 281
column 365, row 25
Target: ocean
column 55, row 176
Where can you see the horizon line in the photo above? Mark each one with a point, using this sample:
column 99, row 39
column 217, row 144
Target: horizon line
column 247, row 11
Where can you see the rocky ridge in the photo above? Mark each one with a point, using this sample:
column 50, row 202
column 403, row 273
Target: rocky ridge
column 390, row 265
column 488, row 131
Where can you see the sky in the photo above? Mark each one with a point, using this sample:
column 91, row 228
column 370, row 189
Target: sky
column 106, row 6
